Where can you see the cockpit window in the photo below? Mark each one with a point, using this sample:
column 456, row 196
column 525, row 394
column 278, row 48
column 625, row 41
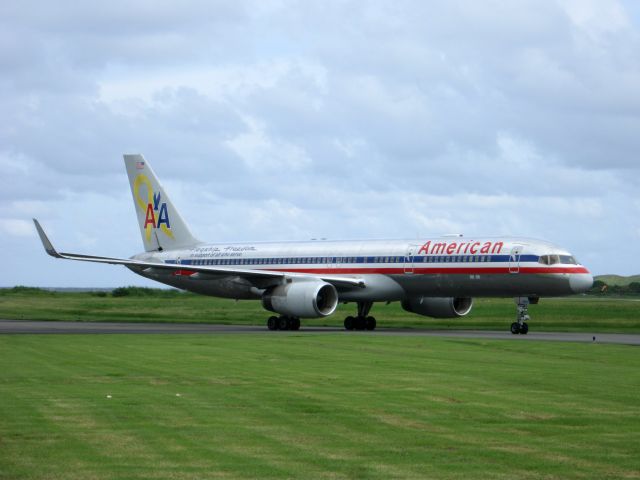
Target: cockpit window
column 568, row 259
column 555, row 259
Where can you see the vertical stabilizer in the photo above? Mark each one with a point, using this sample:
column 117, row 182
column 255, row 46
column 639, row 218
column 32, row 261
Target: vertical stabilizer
column 161, row 226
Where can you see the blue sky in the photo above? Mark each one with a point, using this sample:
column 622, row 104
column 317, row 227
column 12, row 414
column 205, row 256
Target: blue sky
column 277, row 120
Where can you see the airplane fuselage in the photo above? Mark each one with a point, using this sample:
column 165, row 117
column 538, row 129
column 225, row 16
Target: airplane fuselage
column 433, row 277
column 393, row 269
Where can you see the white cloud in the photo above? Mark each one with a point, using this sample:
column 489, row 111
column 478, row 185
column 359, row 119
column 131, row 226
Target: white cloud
column 597, row 17
column 279, row 120
column 261, row 153
column 16, row 227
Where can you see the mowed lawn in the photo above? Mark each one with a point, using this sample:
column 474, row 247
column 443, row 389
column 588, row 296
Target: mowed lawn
column 295, row 405
column 580, row 313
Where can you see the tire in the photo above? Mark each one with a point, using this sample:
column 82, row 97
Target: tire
column 370, row 323
column 295, row 324
column 349, row 323
column 272, row 323
column 515, row 328
column 524, row 328
column 360, row 323
column 283, row 323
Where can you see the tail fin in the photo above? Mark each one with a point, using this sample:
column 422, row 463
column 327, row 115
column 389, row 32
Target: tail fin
column 161, row 226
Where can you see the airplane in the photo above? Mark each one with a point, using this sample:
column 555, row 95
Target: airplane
column 434, row 277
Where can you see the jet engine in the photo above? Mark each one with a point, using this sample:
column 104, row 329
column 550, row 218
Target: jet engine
column 305, row 299
column 438, row 307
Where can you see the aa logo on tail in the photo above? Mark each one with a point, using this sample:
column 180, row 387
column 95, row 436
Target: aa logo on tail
column 156, row 214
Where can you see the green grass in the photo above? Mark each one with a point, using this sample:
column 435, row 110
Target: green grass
column 315, row 406
column 581, row 313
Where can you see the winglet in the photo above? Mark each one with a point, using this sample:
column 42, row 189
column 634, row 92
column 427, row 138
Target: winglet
column 46, row 243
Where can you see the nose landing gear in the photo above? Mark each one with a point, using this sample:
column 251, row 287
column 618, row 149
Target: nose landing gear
column 520, row 326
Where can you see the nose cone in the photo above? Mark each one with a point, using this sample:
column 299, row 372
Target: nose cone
column 581, row 282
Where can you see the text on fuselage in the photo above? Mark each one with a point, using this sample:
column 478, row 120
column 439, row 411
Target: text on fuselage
column 449, row 248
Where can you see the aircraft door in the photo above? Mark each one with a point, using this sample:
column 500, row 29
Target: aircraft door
column 408, row 259
column 514, row 259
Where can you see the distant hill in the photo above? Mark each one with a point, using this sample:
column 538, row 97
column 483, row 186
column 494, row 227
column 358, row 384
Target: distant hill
column 617, row 280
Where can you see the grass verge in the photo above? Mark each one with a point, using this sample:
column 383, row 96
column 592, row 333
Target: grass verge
column 322, row 406
column 582, row 313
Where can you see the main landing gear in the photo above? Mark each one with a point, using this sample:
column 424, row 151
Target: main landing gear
column 362, row 321
column 283, row 323
column 520, row 326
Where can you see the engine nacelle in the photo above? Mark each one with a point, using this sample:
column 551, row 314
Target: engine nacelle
column 305, row 299
column 439, row 307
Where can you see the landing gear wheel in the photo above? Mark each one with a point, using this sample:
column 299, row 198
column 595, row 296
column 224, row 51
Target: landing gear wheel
column 349, row 323
column 294, row 324
column 370, row 323
column 361, row 321
column 272, row 323
column 520, row 325
column 283, row 323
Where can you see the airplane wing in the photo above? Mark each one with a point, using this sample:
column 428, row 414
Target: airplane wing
column 202, row 271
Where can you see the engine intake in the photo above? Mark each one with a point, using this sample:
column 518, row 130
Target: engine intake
column 438, row 307
column 304, row 299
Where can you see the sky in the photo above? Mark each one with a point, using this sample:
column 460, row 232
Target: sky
column 292, row 120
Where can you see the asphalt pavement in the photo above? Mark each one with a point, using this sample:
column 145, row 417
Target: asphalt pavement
column 55, row 327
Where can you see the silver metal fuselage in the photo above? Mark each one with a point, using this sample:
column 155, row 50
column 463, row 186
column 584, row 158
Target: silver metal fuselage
column 392, row 269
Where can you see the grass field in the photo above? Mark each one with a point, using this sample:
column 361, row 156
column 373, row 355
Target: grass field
column 315, row 406
column 581, row 313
